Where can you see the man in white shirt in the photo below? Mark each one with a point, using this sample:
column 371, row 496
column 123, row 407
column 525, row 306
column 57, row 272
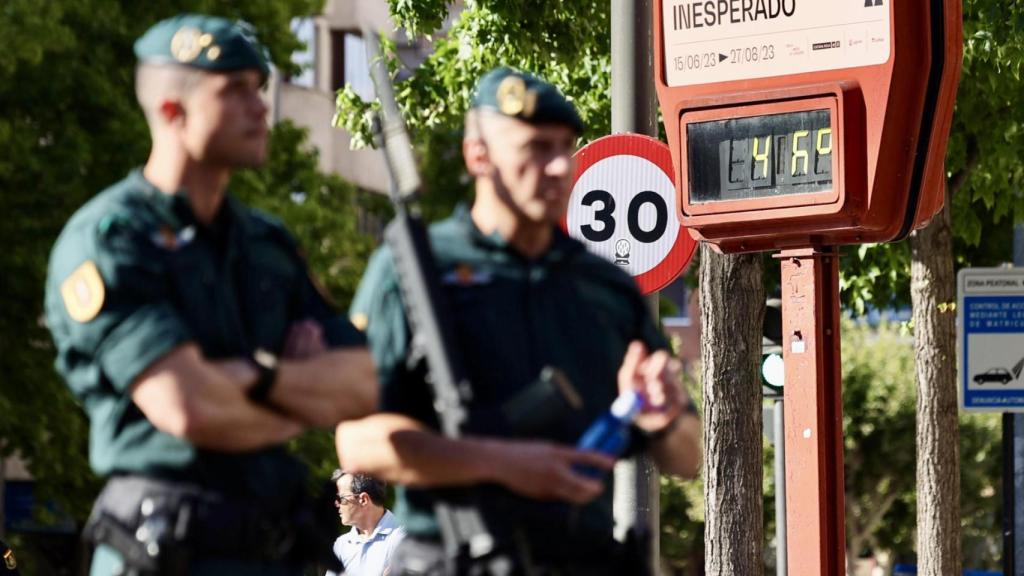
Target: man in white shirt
column 366, row 549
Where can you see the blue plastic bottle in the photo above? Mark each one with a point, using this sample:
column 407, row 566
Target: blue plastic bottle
column 609, row 434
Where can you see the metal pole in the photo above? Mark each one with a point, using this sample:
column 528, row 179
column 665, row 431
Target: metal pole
column 1009, row 493
column 637, row 489
column 634, row 105
column 780, row 488
column 1015, row 548
column 813, row 412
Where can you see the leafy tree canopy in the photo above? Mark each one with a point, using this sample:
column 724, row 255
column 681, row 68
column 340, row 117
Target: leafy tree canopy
column 983, row 167
column 567, row 43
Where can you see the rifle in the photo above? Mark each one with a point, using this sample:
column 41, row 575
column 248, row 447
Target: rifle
column 469, row 546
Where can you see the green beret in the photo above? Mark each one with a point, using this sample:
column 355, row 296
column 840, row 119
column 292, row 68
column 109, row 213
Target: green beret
column 204, row 42
column 525, row 97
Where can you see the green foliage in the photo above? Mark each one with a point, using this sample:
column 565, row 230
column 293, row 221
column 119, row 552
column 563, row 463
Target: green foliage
column 879, row 399
column 981, row 495
column 874, row 275
column 983, row 165
column 682, row 524
column 682, row 510
column 566, row 43
column 987, row 136
column 878, row 437
column 70, row 128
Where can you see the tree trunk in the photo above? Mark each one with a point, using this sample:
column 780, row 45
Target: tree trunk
column 933, row 291
column 732, row 310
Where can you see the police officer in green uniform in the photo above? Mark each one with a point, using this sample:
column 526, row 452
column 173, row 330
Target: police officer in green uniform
column 189, row 328
column 525, row 297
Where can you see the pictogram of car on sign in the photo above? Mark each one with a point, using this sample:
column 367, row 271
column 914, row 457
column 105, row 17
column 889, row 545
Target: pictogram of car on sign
column 1001, row 375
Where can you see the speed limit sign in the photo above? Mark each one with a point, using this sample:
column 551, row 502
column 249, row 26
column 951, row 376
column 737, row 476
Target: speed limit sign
column 623, row 207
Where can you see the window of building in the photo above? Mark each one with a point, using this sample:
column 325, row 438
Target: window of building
column 675, row 304
column 349, row 63
column 305, row 30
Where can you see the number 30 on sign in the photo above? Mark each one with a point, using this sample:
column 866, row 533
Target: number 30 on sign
column 623, row 207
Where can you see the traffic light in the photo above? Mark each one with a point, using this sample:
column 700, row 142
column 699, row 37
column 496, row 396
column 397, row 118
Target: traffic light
column 773, row 372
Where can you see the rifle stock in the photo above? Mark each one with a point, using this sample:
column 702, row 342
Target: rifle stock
column 465, row 536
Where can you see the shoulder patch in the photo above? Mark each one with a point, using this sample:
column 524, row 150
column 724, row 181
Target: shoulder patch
column 83, row 292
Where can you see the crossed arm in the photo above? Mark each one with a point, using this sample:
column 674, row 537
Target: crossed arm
column 206, row 402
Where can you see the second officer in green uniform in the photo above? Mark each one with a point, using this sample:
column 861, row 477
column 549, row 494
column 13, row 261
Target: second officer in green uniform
column 189, row 328
column 525, row 297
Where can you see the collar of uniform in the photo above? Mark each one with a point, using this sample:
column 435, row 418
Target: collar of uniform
column 562, row 246
column 492, row 241
column 172, row 208
column 176, row 209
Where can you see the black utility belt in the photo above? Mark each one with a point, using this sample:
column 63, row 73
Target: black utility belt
column 152, row 522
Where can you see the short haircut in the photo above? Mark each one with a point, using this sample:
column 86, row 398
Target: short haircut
column 479, row 120
column 156, row 82
column 374, row 488
column 471, row 125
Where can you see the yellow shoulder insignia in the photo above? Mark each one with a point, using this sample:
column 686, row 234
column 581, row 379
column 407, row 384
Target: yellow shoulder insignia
column 9, row 560
column 83, row 292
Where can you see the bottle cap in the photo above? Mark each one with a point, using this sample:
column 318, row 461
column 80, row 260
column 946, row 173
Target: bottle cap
column 627, row 405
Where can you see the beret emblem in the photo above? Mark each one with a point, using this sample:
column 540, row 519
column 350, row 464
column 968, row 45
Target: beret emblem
column 511, row 95
column 187, row 43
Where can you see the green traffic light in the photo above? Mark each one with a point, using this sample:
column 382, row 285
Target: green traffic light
column 774, row 371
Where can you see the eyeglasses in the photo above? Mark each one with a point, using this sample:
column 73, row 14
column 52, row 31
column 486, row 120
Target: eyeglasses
column 345, row 498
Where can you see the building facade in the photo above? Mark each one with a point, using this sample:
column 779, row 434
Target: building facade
column 335, row 55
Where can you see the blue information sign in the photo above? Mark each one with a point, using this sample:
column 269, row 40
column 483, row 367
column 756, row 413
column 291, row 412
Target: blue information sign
column 990, row 331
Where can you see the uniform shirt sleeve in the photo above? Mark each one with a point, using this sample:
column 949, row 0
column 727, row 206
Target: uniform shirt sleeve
column 615, row 294
column 378, row 304
column 648, row 331
column 311, row 300
column 137, row 323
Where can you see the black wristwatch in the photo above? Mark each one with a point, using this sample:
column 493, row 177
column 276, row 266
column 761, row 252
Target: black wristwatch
column 266, row 363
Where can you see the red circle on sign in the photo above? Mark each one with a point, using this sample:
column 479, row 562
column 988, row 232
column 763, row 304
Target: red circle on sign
column 658, row 153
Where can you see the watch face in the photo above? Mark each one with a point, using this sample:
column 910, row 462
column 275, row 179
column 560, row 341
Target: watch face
column 760, row 156
column 265, row 359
